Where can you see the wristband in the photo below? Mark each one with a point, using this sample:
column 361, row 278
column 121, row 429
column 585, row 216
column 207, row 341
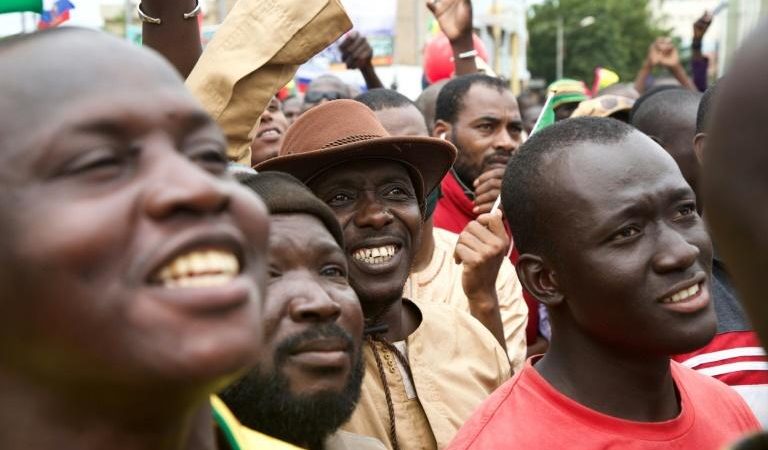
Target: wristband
column 157, row 21
column 468, row 55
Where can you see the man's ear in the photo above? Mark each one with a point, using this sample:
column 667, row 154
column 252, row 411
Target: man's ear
column 539, row 280
column 442, row 129
column 698, row 146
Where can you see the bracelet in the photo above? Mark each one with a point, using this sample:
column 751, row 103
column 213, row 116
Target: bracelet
column 468, row 55
column 154, row 20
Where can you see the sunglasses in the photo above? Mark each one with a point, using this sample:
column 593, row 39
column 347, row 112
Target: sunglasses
column 317, row 97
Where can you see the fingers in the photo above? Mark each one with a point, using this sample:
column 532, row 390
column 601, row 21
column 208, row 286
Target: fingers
column 352, row 36
column 487, row 189
column 482, row 240
column 494, row 223
column 495, row 173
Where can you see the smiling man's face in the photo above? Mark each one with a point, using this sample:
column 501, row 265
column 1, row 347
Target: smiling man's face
column 378, row 210
column 268, row 136
column 634, row 261
column 129, row 256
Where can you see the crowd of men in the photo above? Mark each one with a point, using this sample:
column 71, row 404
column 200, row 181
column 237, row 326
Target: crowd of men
column 189, row 263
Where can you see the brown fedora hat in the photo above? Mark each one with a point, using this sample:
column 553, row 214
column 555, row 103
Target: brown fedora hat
column 340, row 131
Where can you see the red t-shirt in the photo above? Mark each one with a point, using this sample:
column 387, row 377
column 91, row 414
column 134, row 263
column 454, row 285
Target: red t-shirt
column 526, row 412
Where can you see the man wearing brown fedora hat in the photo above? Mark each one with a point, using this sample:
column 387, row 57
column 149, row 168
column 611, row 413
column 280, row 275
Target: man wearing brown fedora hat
column 484, row 283
column 427, row 366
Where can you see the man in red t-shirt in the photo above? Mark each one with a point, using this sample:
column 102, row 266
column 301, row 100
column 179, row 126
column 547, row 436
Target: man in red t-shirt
column 626, row 284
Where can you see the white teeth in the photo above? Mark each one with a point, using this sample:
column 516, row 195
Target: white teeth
column 683, row 294
column 199, row 269
column 375, row 255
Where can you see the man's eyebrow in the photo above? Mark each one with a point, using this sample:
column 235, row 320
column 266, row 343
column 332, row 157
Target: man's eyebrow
column 487, row 118
column 638, row 207
column 111, row 127
column 116, row 127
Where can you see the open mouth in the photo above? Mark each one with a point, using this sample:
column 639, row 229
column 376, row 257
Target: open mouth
column 682, row 295
column 269, row 133
column 375, row 255
column 198, row 268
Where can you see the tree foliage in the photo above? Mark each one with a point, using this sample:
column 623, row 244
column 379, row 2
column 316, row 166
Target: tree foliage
column 618, row 39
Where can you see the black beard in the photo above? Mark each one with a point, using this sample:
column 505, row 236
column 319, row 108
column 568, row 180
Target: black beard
column 263, row 401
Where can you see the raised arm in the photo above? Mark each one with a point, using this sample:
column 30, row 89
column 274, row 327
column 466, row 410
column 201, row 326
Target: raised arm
column 455, row 19
column 255, row 52
column 177, row 36
column 358, row 54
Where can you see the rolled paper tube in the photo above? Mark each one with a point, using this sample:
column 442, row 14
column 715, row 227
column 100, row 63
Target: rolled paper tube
column 8, row 6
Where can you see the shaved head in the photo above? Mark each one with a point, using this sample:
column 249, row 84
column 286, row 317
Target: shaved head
column 669, row 116
column 735, row 181
column 55, row 68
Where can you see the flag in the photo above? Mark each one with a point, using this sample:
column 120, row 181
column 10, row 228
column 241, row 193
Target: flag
column 603, row 78
column 58, row 14
column 547, row 116
column 7, row 6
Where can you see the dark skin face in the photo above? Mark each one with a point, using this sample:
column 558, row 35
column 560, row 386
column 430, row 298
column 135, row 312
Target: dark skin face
column 634, row 239
column 530, row 114
column 292, row 109
column 487, row 130
column 376, row 205
column 564, row 111
column 629, row 284
column 330, row 85
column 308, row 288
column 676, row 136
column 268, row 137
column 403, row 121
column 99, row 203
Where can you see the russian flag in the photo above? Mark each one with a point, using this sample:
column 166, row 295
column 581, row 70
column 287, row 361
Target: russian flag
column 56, row 15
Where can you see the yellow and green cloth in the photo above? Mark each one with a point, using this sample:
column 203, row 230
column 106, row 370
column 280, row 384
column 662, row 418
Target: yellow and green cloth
column 240, row 437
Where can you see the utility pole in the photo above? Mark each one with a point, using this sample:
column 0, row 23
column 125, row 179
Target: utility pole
column 560, row 49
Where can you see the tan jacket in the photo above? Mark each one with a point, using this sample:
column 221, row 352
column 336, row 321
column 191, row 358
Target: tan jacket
column 456, row 363
column 342, row 440
column 440, row 282
column 255, row 52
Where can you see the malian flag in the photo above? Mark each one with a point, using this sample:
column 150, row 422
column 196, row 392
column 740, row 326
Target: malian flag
column 54, row 13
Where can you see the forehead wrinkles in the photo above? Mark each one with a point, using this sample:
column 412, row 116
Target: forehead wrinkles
column 593, row 180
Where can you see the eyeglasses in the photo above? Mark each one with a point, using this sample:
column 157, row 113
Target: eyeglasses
column 317, row 97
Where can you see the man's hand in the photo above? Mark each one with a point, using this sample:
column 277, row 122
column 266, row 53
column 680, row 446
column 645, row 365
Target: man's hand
column 487, row 189
column 454, row 17
column 701, row 26
column 482, row 247
column 665, row 53
column 356, row 52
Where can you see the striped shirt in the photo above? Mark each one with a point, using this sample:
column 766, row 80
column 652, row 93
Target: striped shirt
column 734, row 356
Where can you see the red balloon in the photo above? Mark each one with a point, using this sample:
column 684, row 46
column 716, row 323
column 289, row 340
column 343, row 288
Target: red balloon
column 438, row 57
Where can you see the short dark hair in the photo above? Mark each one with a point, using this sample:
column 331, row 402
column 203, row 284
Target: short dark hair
column 521, row 187
column 378, row 99
column 655, row 110
column 451, row 98
column 705, row 108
